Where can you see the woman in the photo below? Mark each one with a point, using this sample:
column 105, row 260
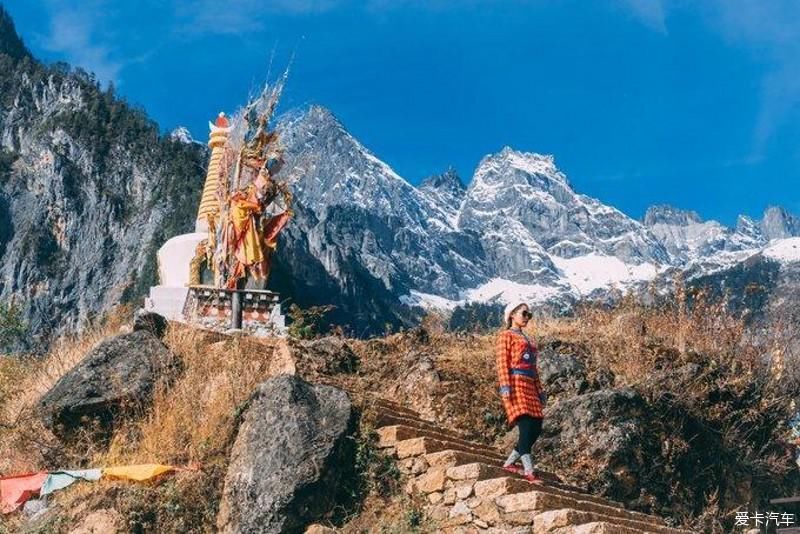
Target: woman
column 520, row 388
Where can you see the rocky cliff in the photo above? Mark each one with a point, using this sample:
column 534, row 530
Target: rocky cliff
column 89, row 189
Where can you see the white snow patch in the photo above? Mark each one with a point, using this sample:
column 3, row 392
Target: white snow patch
column 592, row 271
column 785, row 250
column 427, row 300
column 506, row 291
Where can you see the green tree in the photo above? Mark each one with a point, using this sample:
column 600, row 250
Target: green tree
column 305, row 322
column 12, row 326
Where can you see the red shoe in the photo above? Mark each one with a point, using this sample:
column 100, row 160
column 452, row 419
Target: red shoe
column 513, row 469
column 532, row 478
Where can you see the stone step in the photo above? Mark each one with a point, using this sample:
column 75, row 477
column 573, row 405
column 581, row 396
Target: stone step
column 485, row 471
column 490, row 471
column 598, row 527
column 495, row 477
column 475, row 471
column 553, row 520
column 393, row 410
column 543, row 498
column 389, row 418
column 454, row 458
column 403, row 418
column 395, row 407
column 388, row 436
column 425, row 445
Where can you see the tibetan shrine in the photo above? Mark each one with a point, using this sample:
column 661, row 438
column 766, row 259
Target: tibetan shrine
column 217, row 276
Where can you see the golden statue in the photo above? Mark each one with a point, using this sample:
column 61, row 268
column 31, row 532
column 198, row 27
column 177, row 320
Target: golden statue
column 245, row 236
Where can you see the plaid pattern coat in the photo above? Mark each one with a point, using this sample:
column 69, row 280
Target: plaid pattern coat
column 517, row 375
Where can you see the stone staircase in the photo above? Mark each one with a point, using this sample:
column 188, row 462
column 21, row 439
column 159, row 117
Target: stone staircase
column 467, row 491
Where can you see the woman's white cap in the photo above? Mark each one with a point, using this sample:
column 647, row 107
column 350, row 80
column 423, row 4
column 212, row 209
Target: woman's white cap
column 509, row 308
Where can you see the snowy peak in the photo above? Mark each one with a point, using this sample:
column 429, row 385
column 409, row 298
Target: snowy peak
column 666, row 214
column 523, row 197
column 777, row 223
column 512, row 166
column 447, row 183
column 330, row 167
column 749, row 228
column 320, row 117
column 182, row 135
column 444, row 194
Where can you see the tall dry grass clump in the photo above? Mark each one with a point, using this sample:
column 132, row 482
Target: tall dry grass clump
column 25, row 445
column 191, row 421
column 194, row 418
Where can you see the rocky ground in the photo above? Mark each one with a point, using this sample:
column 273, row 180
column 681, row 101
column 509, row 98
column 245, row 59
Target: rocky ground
column 657, row 420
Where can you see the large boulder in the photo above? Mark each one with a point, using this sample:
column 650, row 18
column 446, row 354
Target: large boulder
column 560, row 371
column 607, row 431
column 117, row 375
column 292, row 459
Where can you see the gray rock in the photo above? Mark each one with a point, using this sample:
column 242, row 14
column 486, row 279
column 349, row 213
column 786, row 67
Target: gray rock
column 116, row 376
column 291, row 460
column 34, row 508
column 150, row 321
column 608, row 428
column 561, row 372
column 418, row 384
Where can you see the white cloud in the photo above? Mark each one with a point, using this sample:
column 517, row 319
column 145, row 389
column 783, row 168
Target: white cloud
column 651, row 13
column 242, row 16
column 72, row 33
column 766, row 29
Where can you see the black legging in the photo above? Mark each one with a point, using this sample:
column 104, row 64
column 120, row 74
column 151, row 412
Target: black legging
column 529, row 430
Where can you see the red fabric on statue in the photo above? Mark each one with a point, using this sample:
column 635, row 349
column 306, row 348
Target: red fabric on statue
column 274, row 226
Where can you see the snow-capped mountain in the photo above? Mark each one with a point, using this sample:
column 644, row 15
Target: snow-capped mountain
column 707, row 245
column 89, row 191
column 182, row 135
column 518, row 229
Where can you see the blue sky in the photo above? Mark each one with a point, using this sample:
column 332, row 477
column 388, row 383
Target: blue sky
column 695, row 104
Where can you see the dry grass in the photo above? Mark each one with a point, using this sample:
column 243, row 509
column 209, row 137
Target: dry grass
column 194, row 419
column 25, row 445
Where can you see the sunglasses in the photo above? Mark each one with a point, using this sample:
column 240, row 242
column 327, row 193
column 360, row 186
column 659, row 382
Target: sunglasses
column 526, row 314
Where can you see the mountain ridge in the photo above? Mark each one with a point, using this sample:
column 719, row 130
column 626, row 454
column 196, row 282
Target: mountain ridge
column 91, row 189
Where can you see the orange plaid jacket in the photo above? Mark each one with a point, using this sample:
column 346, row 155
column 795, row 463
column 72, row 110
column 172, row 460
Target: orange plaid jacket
column 518, row 375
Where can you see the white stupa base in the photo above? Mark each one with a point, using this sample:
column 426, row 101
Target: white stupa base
column 170, row 302
column 174, row 258
column 169, row 298
column 167, row 301
column 275, row 327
